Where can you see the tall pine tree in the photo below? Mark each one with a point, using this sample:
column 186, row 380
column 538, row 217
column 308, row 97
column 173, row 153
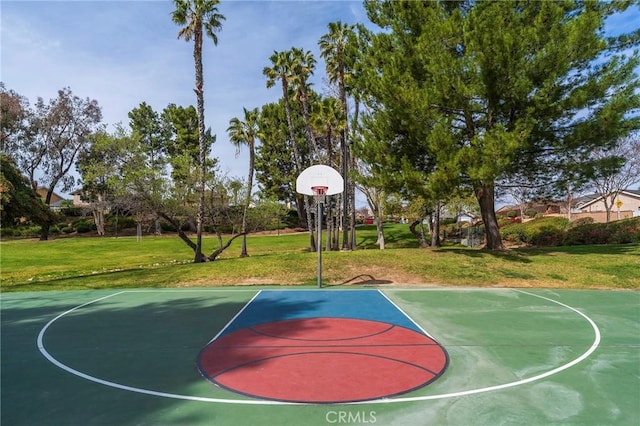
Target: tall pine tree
column 477, row 92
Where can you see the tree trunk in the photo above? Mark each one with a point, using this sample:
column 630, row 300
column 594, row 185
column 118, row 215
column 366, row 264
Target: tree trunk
column 98, row 218
column 213, row 256
column 329, row 223
column 197, row 56
column 485, row 196
column 300, row 208
column 247, row 201
column 419, row 235
column 435, row 227
column 345, row 193
column 243, row 252
column 46, row 225
column 297, row 157
column 184, row 237
column 310, row 222
column 569, row 204
column 44, row 230
column 380, row 230
column 352, row 205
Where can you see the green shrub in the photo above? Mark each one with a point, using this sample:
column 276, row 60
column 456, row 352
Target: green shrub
column 6, row 232
column 581, row 221
column 546, row 236
column 624, row 231
column 23, row 231
column 548, row 231
column 71, row 211
column 513, row 232
column 84, row 225
column 503, row 221
column 121, row 222
column 167, row 227
column 618, row 232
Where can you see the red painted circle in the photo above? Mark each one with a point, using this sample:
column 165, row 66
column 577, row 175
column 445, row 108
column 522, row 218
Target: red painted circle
column 323, row 360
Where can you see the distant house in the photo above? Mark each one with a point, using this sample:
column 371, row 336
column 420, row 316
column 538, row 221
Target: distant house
column 56, row 199
column 627, row 200
column 466, row 218
column 78, row 198
column 544, row 207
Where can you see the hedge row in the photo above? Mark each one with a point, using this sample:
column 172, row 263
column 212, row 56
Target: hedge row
column 554, row 231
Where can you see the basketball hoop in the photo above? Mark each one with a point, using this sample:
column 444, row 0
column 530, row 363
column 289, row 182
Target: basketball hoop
column 319, row 190
column 319, row 180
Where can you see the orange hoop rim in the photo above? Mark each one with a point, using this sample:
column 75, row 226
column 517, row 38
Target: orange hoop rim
column 319, row 190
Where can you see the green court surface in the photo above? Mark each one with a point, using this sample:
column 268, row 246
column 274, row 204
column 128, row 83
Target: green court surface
column 516, row 356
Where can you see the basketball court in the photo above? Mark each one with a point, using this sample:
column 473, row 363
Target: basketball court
column 237, row 356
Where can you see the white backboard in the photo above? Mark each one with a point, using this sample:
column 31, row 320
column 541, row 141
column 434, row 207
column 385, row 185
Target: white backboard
column 319, row 175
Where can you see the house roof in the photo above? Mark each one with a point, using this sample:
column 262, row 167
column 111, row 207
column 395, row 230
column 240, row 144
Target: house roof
column 540, row 206
column 56, row 198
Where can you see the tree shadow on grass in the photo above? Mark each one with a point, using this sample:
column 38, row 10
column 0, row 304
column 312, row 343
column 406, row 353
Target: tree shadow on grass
column 394, row 237
column 524, row 254
column 509, row 255
column 362, row 279
column 606, row 249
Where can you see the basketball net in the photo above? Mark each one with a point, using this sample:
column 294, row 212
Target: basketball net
column 320, row 191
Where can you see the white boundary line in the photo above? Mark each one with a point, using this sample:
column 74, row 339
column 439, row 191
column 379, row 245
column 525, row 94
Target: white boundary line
column 570, row 364
column 234, row 317
column 405, row 314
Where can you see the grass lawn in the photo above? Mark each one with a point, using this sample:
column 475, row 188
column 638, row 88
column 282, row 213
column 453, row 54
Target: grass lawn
column 93, row 263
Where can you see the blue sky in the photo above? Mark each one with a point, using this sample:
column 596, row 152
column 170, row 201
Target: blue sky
column 122, row 53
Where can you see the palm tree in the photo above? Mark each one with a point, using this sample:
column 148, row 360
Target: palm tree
column 283, row 71
column 327, row 119
column 303, row 64
column 334, row 49
column 199, row 17
column 245, row 133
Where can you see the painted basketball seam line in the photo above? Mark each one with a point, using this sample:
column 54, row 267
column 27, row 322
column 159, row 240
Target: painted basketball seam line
column 234, row 317
column 364, row 336
column 405, row 314
column 322, row 346
column 259, row 360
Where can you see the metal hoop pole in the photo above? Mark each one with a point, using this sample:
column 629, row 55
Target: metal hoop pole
column 319, row 238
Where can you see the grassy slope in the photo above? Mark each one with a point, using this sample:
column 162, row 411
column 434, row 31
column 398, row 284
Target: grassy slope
column 81, row 263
